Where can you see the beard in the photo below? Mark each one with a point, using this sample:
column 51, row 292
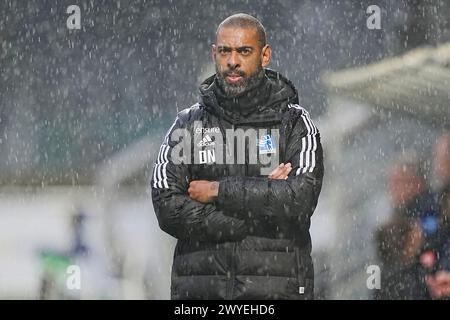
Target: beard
column 232, row 90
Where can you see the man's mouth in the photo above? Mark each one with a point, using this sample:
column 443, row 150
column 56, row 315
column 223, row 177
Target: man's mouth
column 234, row 78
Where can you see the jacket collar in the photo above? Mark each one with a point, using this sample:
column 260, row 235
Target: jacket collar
column 264, row 103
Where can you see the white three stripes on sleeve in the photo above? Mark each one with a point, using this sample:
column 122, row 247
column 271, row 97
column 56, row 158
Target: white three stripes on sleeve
column 309, row 145
column 160, row 173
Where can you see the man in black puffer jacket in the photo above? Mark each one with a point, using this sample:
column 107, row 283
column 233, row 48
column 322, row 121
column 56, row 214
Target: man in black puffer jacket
column 240, row 211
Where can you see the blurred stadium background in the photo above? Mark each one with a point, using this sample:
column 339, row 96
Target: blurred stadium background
column 83, row 112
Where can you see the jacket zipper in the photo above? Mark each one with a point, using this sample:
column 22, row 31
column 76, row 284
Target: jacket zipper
column 233, row 271
column 232, row 260
column 223, row 130
column 246, row 155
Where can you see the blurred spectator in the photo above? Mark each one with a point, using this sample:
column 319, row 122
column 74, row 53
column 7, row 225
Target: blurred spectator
column 415, row 246
column 79, row 247
column 439, row 282
column 400, row 241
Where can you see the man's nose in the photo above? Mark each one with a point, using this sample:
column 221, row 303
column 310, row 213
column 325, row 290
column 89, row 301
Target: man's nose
column 233, row 60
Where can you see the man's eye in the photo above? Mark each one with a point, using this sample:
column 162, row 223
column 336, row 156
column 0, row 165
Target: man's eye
column 245, row 52
column 223, row 50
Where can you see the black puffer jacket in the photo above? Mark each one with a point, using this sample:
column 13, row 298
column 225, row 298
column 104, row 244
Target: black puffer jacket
column 253, row 242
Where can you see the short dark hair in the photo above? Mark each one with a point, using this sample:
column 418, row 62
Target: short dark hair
column 245, row 21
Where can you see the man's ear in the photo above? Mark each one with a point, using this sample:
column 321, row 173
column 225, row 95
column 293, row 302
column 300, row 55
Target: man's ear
column 213, row 52
column 266, row 55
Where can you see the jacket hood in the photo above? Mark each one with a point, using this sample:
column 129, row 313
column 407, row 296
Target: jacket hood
column 276, row 93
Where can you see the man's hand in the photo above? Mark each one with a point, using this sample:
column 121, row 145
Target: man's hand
column 439, row 285
column 281, row 172
column 207, row 191
column 203, row 191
